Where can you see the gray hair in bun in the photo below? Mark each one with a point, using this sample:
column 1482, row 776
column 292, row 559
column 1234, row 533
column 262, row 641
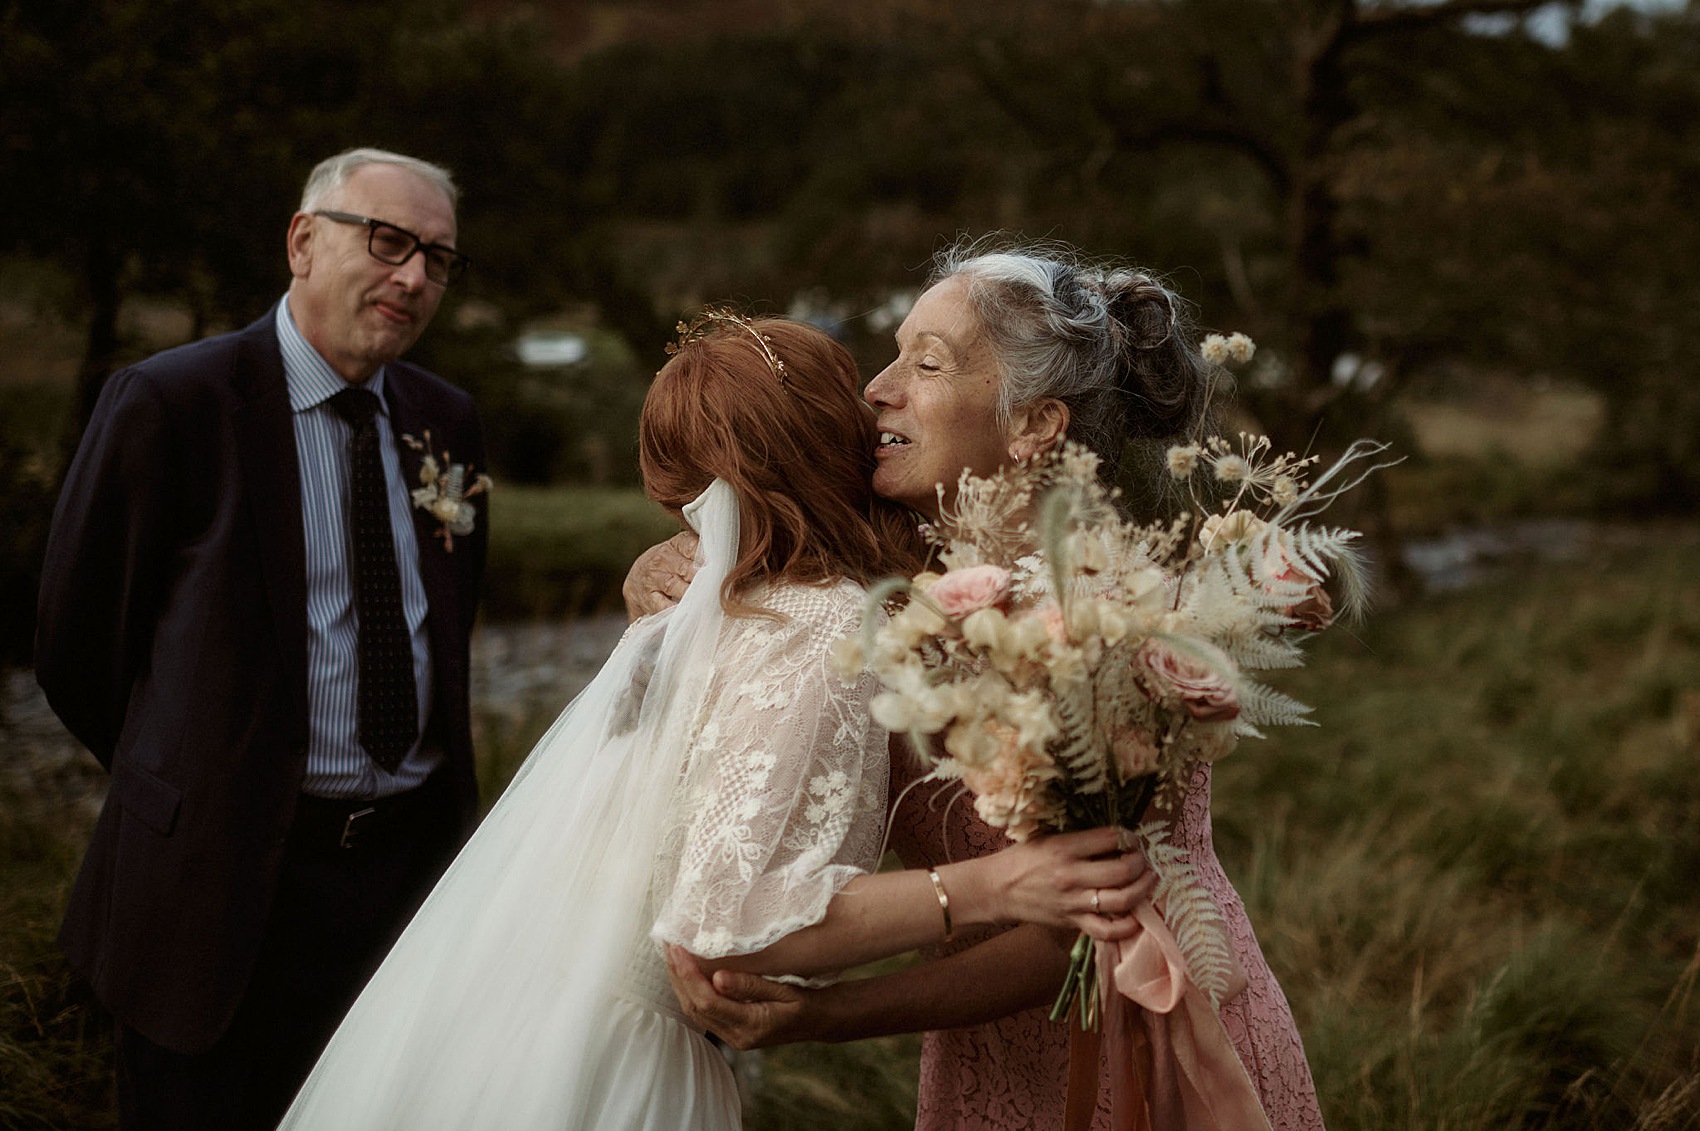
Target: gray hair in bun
column 1113, row 343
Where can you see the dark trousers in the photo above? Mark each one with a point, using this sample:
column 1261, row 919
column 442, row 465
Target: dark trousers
column 345, row 892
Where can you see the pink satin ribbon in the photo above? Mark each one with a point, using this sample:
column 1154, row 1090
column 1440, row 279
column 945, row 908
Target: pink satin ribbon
column 1172, row 1065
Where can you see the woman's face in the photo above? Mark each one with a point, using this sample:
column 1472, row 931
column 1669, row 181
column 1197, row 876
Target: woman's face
column 937, row 403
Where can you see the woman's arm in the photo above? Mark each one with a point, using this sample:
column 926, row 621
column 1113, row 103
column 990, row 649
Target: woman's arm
column 782, row 816
column 1016, row 970
column 1077, row 880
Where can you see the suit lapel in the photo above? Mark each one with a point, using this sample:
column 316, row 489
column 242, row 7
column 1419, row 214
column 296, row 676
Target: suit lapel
column 271, row 481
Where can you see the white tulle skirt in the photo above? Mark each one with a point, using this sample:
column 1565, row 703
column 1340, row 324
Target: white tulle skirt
column 526, row 994
column 652, row 1072
column 658, row 1074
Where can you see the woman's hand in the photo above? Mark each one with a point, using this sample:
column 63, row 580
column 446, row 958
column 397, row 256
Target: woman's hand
column 1089, row 880
column 746, row 1011
column 658, row 578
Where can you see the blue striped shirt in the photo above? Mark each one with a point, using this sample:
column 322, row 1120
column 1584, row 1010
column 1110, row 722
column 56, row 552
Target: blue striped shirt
column 337, row 767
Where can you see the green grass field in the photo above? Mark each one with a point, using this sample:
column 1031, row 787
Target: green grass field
column 1476, row 880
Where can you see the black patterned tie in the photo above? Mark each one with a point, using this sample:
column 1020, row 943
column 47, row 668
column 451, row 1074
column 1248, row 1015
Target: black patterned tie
column 389, row 699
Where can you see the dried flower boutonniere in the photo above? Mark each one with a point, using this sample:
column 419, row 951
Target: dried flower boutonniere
column 446, row 488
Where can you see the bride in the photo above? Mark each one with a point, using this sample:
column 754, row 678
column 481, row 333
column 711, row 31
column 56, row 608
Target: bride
column 716, row 787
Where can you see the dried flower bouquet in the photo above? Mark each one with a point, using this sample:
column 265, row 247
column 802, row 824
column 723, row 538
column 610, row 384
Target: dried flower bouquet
column 1069, row 666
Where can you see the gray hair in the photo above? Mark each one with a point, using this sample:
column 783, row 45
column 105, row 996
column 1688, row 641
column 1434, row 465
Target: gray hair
column 1112, row 343
column 332, row 173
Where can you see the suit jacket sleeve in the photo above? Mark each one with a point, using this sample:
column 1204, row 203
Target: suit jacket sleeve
column 107, row 561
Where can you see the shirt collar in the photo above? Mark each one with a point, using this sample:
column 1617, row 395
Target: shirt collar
column 310, row 377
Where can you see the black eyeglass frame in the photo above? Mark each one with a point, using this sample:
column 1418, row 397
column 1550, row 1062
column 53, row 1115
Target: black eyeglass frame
column 457, row 263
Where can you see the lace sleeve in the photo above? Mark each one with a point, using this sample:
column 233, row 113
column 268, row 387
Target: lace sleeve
column 783, row 802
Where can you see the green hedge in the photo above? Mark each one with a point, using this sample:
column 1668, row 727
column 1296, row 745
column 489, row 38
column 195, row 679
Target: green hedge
column 561, row 551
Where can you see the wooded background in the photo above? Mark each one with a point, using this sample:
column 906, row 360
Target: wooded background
column 1399, row 201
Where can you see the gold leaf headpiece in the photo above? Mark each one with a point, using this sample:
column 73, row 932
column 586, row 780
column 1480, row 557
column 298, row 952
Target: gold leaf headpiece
column 700, row 326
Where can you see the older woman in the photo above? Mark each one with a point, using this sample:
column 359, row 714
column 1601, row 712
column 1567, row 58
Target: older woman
column 1006, row 353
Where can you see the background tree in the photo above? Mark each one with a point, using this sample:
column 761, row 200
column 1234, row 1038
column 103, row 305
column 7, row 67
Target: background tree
column 1384, row 194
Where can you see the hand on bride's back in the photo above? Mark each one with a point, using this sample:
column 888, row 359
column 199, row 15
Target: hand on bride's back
column 657, row 580
column 1085, row 880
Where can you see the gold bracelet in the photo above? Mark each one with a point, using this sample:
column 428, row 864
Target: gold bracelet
column 944, row 902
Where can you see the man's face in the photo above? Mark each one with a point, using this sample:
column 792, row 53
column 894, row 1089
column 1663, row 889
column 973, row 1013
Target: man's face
column 357, row 312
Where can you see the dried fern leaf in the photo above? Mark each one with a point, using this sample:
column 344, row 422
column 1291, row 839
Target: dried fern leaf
column 1075, row 751
column 1200, row 930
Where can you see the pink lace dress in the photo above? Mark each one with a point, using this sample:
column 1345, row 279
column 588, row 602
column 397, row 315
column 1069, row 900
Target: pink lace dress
column 1012, row 1073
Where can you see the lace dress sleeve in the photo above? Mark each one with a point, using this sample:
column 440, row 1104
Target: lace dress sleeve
column 783, row 799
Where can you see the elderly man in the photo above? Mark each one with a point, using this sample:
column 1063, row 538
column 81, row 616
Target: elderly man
column 250, row 623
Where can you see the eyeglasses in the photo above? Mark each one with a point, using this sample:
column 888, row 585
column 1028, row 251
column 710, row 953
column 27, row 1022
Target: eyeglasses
column 389, row 244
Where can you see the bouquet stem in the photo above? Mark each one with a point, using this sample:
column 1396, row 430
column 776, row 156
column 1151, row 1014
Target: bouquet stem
column 1131, row 800
column 1080, row 983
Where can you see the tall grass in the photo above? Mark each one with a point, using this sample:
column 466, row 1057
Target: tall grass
column 55, row 1046
column 1476, row 880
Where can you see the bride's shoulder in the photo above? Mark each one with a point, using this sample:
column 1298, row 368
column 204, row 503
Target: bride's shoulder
column 833, row 607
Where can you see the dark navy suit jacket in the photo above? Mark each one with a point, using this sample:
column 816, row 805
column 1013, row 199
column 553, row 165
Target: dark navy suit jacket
column 172, row 642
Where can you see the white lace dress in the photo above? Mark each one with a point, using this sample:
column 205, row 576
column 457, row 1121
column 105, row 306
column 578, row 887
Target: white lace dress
column 714, row 787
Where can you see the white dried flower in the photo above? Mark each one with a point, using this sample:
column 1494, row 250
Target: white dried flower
column 892, row 656
column 1232, row 468
column 988, row 629
column 1215, row 349
column 1113, row 624
column 1235, row 526
column 1082, row 618
column 1086, row 551
column 934, row 708
column 915, row 623
column 893, row 711
column 1183, row 460
column 1285, row 491
column 1030, row 713
column 1240, row 348
column 1029, row 636
column 849, row 659
column 1143, row 583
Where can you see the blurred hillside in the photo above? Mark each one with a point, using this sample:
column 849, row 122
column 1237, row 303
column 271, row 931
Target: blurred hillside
column 1423, row 212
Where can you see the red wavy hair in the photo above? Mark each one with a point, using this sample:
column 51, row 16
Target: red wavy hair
column 799, row 454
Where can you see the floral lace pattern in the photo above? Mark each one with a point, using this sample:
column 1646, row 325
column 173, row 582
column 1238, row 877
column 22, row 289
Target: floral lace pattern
column 1259, row 1021
column 782, row 800
column 1012, row 1073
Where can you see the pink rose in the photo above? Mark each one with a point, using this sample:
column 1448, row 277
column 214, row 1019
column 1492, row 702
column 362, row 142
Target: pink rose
column 1315, row 611
column 1206, row 696
column 963, row 591
column 1016, row 809
column 1312, row 612
column 1008, row 793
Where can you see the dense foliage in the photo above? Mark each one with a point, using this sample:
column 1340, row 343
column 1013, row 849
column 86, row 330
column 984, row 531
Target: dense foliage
column 1396, row 184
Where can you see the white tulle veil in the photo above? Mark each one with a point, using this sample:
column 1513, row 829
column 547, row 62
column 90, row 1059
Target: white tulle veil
column 588, row 807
